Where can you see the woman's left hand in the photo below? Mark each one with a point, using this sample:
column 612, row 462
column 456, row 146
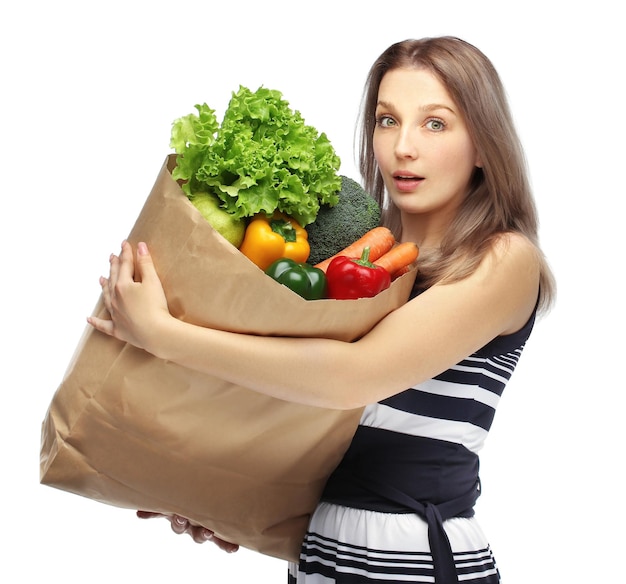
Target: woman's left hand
column 133, row 296
column 198, row 533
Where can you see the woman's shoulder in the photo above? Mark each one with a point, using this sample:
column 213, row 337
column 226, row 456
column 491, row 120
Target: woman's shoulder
column 515, row 261
column 515, row 247
column 512, row 259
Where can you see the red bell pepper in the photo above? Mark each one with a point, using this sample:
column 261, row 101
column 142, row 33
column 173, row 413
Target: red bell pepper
column 351, row 278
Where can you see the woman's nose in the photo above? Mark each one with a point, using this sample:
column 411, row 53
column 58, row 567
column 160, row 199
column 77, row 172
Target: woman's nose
column 406, row 144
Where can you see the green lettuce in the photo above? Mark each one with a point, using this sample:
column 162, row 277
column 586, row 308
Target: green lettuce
column 262, row 158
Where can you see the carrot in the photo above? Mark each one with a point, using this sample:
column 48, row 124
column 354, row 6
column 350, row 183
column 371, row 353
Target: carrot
column 380, row 240
column 400, row 272
column 398, row 258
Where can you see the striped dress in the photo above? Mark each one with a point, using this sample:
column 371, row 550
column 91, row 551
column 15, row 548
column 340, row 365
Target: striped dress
column 350, row 541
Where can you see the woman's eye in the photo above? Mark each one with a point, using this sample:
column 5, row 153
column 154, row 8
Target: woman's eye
column 435, row 125
column 385, row 121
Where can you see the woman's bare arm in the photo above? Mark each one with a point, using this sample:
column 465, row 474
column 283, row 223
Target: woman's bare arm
column 424, row 337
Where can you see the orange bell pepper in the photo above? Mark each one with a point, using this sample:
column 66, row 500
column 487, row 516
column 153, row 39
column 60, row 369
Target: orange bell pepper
column 269, row 238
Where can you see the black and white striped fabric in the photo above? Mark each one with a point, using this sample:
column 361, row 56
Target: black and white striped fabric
column 368, row 547
column 350, row 545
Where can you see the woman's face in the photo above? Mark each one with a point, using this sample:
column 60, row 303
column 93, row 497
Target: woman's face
column 422, row 146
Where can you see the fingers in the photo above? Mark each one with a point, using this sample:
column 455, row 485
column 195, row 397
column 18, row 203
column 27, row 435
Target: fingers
column 148, row 515
column 114, row 271
column 125, row 266
column 121, row 269
column 108, row 284
column 200, row 534
column 179, row 524
column 101, row 324
column 145, row 265
column 225, row 545
column 106, row 291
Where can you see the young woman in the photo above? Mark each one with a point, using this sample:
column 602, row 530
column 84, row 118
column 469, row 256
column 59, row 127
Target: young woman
column 439, row 150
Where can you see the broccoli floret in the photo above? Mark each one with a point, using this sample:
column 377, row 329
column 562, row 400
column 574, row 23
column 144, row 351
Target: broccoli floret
column 335, row 228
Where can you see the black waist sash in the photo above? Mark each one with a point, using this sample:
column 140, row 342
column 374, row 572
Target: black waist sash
column 397, row 473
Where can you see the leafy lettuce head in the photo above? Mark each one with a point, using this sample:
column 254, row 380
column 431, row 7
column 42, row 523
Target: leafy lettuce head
column 263, row 158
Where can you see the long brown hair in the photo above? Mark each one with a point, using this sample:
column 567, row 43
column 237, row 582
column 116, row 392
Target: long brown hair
column 500, row 199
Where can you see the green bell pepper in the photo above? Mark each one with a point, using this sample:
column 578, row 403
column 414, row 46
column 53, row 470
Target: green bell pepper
column 302, row 278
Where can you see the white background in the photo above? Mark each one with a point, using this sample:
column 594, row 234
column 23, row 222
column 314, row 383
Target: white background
column 89, row 94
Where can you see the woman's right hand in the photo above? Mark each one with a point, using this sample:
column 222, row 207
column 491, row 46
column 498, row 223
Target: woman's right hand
column 198, row 533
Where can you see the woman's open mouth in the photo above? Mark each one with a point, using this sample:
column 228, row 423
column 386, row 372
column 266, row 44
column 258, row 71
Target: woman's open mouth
column 407, row 182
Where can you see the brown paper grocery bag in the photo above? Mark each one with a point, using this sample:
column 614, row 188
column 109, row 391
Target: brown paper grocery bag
column 130, row 430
